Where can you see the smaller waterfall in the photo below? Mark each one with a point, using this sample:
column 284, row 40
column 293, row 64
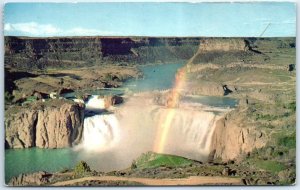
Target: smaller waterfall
column 100, row 133
column 95, row 103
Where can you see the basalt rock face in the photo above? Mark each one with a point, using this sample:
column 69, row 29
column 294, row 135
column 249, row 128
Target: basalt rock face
column 49, row 127
column 223, row 44
column 226, row 50
column 20, row 129
column 65, row 52
column 58, row 128
column 39, row 53
column 232, row 139
column 207, row 88
column 34, row 179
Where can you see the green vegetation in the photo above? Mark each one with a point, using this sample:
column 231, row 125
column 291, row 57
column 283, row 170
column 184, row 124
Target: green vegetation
column 266, row 117
column 277, row 157
column 267, row 158
column 288, row 141
column 30, row 99
column 268, row 165
column 153, row 160
column 270, row 112
column 81, row 168
column 8, row 97
column 291, row 106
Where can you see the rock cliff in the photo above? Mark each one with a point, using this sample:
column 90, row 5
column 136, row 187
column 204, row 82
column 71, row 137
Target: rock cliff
column 223, row 44
column 233, row 138
column 227, row 50
column 34, row 179
column 56, row 125
column 20, row 129
column 40, row 53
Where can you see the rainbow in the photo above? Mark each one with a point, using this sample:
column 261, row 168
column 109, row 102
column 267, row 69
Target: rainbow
column 166, row 119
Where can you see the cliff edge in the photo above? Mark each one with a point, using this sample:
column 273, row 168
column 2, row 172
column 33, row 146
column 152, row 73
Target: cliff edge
column 56, row 124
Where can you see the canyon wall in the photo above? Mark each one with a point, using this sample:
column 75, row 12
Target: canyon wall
column 223, row 44
column 233, row 139
column 54, row 126
column 40, row 53
column 65, row 52
column 222, row 50
column 246, row 50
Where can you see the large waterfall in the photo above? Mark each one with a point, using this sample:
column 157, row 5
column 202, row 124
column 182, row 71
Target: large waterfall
column 135, row 129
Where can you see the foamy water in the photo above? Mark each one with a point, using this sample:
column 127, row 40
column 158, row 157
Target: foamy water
column 135, row 128
column 95, row 103
column 100, row 132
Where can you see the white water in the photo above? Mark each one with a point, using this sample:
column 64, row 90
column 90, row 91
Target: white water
column 134, row 129
column 100, row 132
column 189, row 134
column 95, row 103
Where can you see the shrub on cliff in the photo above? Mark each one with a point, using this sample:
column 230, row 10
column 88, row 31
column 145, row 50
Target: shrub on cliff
column 81, row 168
column 8, row 97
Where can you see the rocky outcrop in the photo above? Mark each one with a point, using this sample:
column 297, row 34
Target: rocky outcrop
column 227, row 50
column 20, row 129
column 207, row 88
column 57, row 125
column 231, row 139
column 58, row 128
column 34, row 179
column 222, row 44
column 219, row 50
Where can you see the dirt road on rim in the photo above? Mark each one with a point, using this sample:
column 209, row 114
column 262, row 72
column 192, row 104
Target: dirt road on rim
column 193, row 180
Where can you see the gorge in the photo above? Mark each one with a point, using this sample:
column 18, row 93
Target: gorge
column 201, row 124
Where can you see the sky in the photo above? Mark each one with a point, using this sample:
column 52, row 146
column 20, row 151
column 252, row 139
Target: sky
column 277, row 19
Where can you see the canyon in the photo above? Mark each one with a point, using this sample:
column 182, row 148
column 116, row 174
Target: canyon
column 256, row 71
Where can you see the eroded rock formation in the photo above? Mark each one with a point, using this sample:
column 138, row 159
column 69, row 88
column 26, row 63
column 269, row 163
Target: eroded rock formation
column 223, row 44
column 232, row 139
column 20, row 129
column 40, row 53
column 34, row 179
column 54, row 126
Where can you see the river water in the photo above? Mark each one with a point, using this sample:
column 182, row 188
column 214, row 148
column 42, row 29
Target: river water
column 156, row 77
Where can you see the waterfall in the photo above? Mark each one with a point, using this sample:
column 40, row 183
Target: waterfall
column 135, row 127
column 101, row 132
column 189, row 134
column 95, row 103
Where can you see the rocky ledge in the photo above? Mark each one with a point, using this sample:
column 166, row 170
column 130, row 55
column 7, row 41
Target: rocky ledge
column 51, row 124
column 34, row 179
